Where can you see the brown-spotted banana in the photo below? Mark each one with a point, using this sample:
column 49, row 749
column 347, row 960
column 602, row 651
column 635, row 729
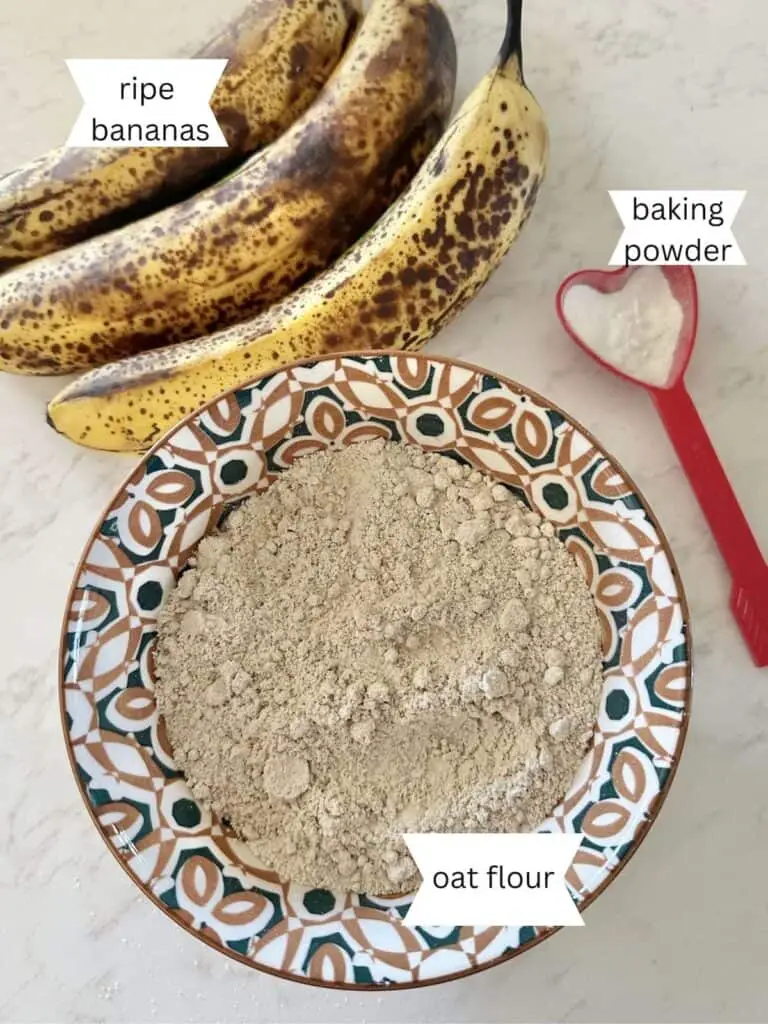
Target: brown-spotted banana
column 415, row 269
column 280, row 55
column 227, row 254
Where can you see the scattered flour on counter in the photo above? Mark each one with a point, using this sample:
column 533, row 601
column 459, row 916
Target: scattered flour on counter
column 383, row 641
column 636, row 329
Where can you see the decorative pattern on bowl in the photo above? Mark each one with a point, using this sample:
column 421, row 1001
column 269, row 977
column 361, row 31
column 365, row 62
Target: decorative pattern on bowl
column 189, row 862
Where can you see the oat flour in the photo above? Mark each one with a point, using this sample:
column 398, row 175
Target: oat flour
column 383, row 641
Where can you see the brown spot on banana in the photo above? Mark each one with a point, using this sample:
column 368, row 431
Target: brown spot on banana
column 232, row 251
column 410, row 274
column 280, row 56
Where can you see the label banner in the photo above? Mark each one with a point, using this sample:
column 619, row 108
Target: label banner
column 131, row 103
column 676, row 227
column 489, row 879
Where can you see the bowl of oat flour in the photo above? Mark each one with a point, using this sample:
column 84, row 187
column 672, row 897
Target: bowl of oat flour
column 360, row 597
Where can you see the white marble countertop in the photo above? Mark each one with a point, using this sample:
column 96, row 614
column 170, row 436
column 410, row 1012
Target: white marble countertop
column 639, row 95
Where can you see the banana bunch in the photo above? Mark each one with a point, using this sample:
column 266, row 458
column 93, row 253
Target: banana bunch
column 280, row 55
column 225, row 255
column 416, row 268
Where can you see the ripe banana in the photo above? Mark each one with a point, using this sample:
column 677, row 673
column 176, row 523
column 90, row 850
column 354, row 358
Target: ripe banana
column 425, row 259
column 280, row 55
column 224, row 256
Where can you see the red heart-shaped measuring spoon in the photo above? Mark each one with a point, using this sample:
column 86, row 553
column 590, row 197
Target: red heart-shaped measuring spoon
column 748, row 568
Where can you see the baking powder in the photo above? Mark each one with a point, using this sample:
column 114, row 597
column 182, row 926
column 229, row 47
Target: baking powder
column 636, row 329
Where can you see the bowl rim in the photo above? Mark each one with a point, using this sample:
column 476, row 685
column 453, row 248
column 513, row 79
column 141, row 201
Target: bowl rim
column 643, row 829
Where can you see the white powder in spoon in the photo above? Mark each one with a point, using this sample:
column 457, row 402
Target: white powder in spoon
column 637, row 328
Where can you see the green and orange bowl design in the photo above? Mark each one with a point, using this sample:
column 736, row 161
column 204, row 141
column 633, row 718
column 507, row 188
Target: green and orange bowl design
column 189, row 862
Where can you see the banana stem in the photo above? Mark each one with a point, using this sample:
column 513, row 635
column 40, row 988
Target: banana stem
column 513, row 40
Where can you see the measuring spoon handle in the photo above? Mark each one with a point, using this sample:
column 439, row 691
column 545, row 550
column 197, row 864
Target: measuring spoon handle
column 749, row 571
column 710, row 484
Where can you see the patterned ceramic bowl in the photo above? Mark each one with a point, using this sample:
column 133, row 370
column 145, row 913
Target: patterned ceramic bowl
column 187, row 861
